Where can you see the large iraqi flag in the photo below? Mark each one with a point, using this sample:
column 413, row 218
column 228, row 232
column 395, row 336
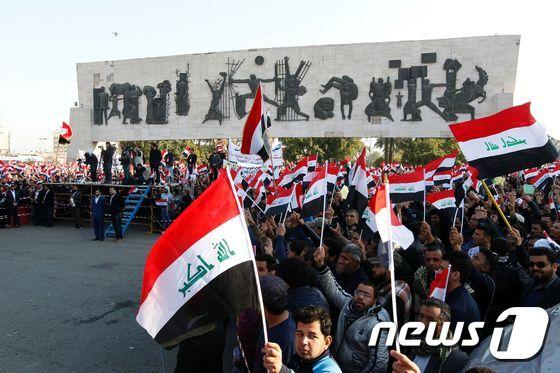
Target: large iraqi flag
column 200, row 271
column 388, row 224
column 508, row 141
column 254, row 139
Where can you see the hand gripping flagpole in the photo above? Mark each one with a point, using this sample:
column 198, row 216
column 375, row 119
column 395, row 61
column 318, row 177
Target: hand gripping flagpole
column 251, row 254
column 496, row 205
column 391, row 261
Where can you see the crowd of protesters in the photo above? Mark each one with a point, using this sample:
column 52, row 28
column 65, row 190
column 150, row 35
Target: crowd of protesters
column 322, row 301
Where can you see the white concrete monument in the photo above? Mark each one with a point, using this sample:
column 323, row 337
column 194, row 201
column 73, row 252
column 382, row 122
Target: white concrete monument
column 420, row 87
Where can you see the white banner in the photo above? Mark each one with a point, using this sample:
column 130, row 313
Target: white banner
column 235, row 156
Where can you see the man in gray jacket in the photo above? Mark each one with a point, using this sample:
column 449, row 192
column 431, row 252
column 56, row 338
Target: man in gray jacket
column 358, row 315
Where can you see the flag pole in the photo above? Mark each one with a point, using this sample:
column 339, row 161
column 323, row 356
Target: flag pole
column 462, row 216
column 496, row 204
column 424, row 203
column 446, row 282
column 324, row 205
column 251, row 254
column 391, row 260
column 289, row 205
column 252, row 200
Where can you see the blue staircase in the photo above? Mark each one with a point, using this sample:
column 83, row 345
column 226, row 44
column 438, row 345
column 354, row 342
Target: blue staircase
column 132, row 204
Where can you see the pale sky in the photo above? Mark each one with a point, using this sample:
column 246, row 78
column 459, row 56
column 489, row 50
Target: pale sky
column 41, row 42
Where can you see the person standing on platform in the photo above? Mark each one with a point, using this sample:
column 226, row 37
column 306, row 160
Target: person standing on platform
column 169, row 162
column 92, row 161
column 107, row 156
column 98, row 213
column 115, row 207
column 48, row 207
column 126, row 160
column 75, row 206
column 155, row 161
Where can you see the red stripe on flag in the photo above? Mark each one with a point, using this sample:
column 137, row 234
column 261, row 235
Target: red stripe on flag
column 213, row 208
column 514, row 117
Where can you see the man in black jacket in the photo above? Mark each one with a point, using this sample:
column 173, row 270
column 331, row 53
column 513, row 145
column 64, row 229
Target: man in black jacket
column 440, row 359
column 38, row 204
column 107, row 156
column 12, row 203
column 48, row 207
column 545, row 292
column 155, row 161
column 92, row 161
column 115, row 207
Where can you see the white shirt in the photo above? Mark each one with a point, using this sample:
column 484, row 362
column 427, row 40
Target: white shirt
column 97, row 199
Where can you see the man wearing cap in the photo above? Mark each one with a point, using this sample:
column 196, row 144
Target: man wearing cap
column 280, row 325
column 358, row 315
column 349, row 272
column 545, row 292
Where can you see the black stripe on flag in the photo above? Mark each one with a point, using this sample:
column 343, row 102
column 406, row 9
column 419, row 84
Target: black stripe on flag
column 405, row 197
column 232, row 290
column 313, row 207
column 512, row 162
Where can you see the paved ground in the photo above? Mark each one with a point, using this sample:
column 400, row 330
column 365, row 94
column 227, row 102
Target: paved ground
column 69, row 304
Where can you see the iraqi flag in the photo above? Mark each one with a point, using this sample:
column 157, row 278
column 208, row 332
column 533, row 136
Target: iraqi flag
column 442, row 200
column 442, row 179
column 254, row 141
column 388, row 224
column 186, row 152
column 358, row 189
column 315, row 196
column 542, row 179
column 438, row 287
column 200, row 271
column 311, row 162
column 368, row 218
column 441, row 164
column 407, row 187
column 279, row 203
column 66, row 135
column 506, row 142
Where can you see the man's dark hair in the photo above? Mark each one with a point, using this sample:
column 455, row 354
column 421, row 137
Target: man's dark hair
column 334, row 246
column 370, row 284
column 460, row 262
column 550, row 254
column 435, row 248
column 264, row 257
column 500, row 246
column 541, row 223
column 310, row 314
column 433, row 302
column 296, row 273
column 491, row 258
column 297, row 246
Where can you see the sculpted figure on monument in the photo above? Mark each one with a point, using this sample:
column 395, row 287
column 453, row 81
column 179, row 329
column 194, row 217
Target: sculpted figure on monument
column 131, row 101
column 182, row 102
column 253, row 83
column 217, row 89
column 100, row 105
column 323, row 108
column 399, row 97
column 348, row 92
column 410, row 104
column 291, row 88
column 117, row 90
column 427, row 89
column 157, row 109
column 456, row 101
column 380, row 95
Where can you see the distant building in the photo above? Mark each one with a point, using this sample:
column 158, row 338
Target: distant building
column 4, row 140
column 59, row 151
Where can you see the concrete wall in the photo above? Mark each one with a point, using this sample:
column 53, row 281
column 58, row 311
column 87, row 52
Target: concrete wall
column 496, row 54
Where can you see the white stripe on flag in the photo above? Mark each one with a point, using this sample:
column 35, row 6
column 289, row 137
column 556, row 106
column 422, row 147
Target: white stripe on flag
column 165, row 299
column 533, row 136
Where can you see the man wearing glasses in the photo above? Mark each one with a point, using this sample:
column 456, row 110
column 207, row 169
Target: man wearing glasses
column 358, row 315
column 545, row 292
